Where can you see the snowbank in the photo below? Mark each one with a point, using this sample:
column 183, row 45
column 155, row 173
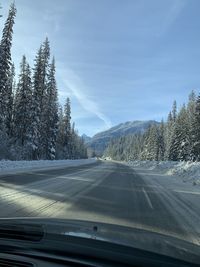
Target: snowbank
column 187, row 171
column 7, row 166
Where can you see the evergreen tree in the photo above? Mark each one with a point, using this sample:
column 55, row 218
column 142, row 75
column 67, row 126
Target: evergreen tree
column 36, row 106
column 191, row 107
column 161, row 141
column 174, row 111
column 10, row 87
column 22, row 106
column 51, row 113
column 69, row 145
column 1, row 8
column 39, row 109
column 170, row 153
column 195, row 150
column 60, row 136
column 67, row 129
column 31, row 126
column 4, row 143
column 44, row 116
column 5, row 67
column 177, row 139
column 151, row 146
column 180, row 143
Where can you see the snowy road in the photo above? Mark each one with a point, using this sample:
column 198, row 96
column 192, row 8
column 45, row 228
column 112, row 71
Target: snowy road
column 107, row 192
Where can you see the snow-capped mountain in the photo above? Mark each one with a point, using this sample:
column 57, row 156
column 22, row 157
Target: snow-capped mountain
column 100, row 140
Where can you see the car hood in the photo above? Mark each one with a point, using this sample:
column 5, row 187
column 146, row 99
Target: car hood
column 159, row 243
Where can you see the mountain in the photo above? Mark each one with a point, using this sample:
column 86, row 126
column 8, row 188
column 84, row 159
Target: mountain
column 99, row 142
column 86, row 138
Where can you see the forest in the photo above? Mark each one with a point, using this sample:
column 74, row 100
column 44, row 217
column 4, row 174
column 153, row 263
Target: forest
column 177, row 139
column 33, row 125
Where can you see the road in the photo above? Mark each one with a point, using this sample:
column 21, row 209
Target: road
column 106, row 192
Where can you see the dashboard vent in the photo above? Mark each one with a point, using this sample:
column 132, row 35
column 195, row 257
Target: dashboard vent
column 28, row 232
column 13, row 263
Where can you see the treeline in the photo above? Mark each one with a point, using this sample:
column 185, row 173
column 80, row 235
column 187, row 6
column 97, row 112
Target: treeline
column 177, row 139
column 32, row 124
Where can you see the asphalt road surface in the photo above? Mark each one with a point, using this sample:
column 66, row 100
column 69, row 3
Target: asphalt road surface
column 107, row 192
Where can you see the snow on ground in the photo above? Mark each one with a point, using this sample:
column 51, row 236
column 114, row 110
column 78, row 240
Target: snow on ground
column 187, row 171
column 7, row 166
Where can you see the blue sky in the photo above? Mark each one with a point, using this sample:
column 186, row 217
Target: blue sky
column 118, row 60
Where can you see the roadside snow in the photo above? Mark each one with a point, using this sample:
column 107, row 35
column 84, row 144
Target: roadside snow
column 187, row 171
column 7, row 166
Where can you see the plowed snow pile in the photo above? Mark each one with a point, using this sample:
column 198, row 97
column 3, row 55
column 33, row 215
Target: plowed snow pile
column 7, row 166
column 187, row 171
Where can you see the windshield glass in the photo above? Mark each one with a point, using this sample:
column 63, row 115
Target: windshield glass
column 100, row 115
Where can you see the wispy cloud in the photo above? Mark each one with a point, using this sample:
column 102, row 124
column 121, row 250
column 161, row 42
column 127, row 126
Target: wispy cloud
column 53, row 18
column 172, row 14
column 77, row 88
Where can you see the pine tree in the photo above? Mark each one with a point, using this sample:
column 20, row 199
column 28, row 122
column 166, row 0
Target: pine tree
column 75, row 150
column 195, row 151
column 67, row 129
column 1, row 8
column 4, row 143
column 180, row 142
column 151, row 147
column 170, row 154
column 5, row 66
column 44, row 116
column 69, row 145
column 60, row 136
column 31, row 127
column 191, row 104
column 161, row 141
column 174, row 111
column 51, row 113
column 171, row 150
column 22, row 106
column 191, row 107
column 177, row 139
column 39, row 109
column 36, row 106
column 10, row 87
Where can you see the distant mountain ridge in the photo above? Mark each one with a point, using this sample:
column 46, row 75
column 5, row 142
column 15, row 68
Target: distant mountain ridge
column 86, row 138
column 99, row 141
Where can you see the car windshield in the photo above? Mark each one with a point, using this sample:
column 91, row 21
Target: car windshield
column 100, row 116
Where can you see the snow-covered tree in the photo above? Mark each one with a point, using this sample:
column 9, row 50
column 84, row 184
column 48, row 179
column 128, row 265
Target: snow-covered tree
column 161, row 141
column 39, row 102
column 67, row 129
column 35, row 109
column 31, row 126
column 69, row 144
column 22, row 106
column 78, row 149
column 4, row 143
column 191, row 108
column 176, row 139
column 51, row 118
column 174, row 111
column 180, row 142
column 5, row 67
column 60, row 135
column 195, row 150
column 170, row 154
column 151, row 145
column 10, row 88
column 0, row 8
